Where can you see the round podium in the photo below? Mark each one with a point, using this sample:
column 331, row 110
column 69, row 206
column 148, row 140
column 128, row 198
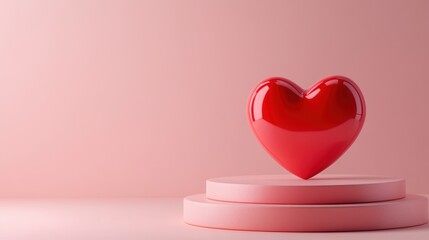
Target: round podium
column 286, row 203
column 288, row 189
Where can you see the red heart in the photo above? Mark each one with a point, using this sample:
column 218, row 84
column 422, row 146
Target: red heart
column 306, row 130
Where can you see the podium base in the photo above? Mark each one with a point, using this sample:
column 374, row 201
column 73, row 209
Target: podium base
column 409, row 211
column 321, row 204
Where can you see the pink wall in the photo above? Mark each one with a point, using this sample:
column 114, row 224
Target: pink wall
column 147, row 98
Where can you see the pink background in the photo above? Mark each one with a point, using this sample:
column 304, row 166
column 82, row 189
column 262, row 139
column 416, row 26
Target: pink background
column 147, row 98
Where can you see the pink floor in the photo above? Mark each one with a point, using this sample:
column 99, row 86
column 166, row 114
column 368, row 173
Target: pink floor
column 139, row 218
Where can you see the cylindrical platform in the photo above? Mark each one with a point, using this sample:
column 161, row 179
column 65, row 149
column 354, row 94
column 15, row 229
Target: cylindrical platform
column 288, row 189
column 409, row 211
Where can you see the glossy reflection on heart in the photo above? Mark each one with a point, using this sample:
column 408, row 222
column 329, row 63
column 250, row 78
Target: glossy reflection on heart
column 306, row 131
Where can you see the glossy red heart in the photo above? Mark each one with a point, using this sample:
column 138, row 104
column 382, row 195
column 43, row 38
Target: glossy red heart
column 306, row 131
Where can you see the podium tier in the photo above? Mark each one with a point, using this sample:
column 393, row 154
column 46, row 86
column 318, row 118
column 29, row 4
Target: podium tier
column 409, row 211
column 288, row 189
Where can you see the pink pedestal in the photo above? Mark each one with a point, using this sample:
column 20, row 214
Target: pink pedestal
column 325, row 203
column 287, row 189
column 409, row 211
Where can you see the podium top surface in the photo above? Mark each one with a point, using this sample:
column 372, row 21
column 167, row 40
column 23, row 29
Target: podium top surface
column 317, row 181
